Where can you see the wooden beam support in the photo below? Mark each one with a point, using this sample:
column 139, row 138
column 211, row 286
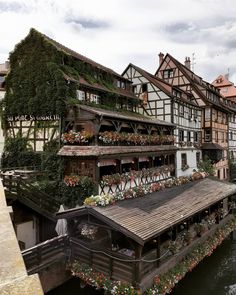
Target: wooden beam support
column 137, row 266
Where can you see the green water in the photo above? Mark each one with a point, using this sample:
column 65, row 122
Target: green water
column 215, row 275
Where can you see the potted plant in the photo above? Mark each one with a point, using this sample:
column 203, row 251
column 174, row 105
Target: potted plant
column 199, row 228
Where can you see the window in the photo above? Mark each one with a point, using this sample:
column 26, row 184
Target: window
column 118, row 83
column 181, row 110
column 183, row 160
column 80, row 95
column 144, row 87
column 122, row 84
column 207, row 114
column 230, row 135
column 168, row 74
column 94, row 98
column 216, row 136
column 181, row 135
column 134, row 88
column 190, row 113
column 176, row 93
column 188, row 136
column 196, row 136
column 198, row 158
column 195, row 114
column 207, row 135
column 224, row 118
column 223, row 137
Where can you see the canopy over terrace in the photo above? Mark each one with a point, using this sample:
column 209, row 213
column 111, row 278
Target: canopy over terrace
column 142, row 219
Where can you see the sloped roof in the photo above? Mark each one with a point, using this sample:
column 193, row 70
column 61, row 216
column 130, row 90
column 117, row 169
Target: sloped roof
column 79, row 56
column 161, row 84
column 129, row 116
column 221, row 81
column 164, row 86
column 104, row 151
column 197, row 82
column 145, row 218
column 227, row 88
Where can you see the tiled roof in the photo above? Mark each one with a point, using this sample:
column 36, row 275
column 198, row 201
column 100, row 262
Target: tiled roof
column 221, row 81
column 227, row 88
column 103, row 151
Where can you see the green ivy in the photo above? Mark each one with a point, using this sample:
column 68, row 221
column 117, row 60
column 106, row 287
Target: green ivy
column 17, row 153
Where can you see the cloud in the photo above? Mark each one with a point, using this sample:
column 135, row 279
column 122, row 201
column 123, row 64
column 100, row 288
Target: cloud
column 87, row 23
column 13, row 6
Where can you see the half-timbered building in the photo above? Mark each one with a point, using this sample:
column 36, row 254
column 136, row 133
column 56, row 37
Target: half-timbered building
column 228, row 91
column 215, row 112
column 161, row 100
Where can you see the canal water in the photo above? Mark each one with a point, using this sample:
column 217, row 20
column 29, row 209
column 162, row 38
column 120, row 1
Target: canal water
column 215, row 275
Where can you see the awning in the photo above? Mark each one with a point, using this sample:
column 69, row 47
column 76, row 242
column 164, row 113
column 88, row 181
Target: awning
column 106, row 163
column 212, row 146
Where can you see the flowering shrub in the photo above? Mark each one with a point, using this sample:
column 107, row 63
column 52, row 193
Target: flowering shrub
column 164, row 283
column 76, row 137
column 138, row 191
column 100, row 281
column 72, row 180
column 123, row 138
column 117, row 178
column 99, row 200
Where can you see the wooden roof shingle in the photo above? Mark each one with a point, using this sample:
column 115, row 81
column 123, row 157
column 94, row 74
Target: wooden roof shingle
column 145, row 218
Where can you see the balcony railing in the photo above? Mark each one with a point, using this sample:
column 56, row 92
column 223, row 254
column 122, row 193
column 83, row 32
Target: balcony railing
column 120, row 182
column 116, row 138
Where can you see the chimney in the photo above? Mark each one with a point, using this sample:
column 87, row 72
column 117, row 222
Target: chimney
column 161, row 57
column 187, row 62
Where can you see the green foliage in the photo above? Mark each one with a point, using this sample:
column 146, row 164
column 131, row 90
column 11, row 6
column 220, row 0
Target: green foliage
column 207, row 166
column 17, row 153
column 51, row 164
column 75, row 195
column 35, row 84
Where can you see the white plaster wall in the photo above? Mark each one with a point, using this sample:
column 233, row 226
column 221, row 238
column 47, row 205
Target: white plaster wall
column 191, row 161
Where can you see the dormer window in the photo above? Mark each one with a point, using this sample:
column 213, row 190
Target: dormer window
column 120, row 84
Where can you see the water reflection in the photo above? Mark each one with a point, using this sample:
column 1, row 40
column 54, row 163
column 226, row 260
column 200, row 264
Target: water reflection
column 72, row 287
column 215, row 275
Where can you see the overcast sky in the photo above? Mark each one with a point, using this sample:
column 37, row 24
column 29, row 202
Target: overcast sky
column 117, row 32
